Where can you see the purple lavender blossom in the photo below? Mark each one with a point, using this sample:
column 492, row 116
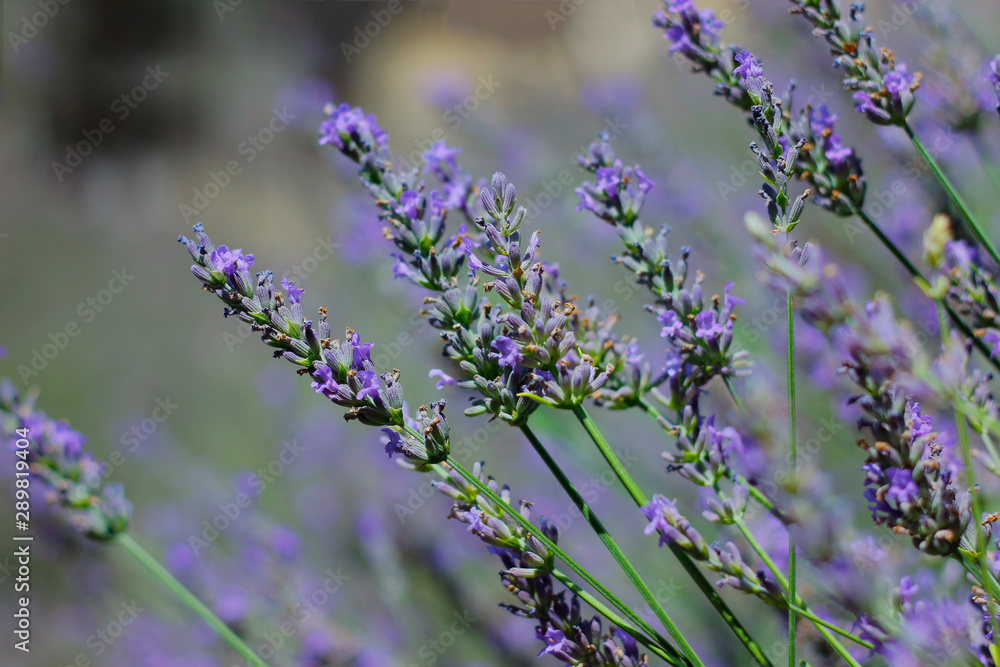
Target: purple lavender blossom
column 902, row 488
column 897, row 81
column 67, row 474
column 994, row 78
column 394, row 442
column 752, row 74
column 347, row 126
column 230, row 261
column 294, row 293
column 672, row 324
column 444, row 380
column 864, row 102
column 369, row 385
column 707, row 327
column 507, row 351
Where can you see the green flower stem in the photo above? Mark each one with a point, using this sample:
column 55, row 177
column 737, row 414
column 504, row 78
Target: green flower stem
column 690, row 567
column 795, row 602
column 617, row 620
column 793, row 462
column 953, row 195
column 819, row 622
column 611, row 545
column 555, row 549
column 732, row 392
column 188, row 598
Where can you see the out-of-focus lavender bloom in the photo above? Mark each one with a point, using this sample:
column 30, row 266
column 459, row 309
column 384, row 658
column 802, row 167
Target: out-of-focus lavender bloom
column 353, row 131
column 53, row 453
column 908, row 484
column 994, row 78
column 444, row 380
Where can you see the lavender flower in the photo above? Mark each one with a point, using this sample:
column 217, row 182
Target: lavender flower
column 54, row 455
column 699, row 332
column 527, row 573
column 909, row 486
column 994, row 78
column 883, row 89
column 674, row 528
column 832, row 170
column 342, row 371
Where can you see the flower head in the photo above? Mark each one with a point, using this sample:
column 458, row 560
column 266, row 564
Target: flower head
column 230, row 261
column 294, row 293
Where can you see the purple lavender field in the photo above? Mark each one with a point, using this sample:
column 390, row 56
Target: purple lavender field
column 500, row 333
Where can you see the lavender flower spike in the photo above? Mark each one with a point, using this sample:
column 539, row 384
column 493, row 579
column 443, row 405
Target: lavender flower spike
column 883, row 89
column 53, row 453
column 342, row 371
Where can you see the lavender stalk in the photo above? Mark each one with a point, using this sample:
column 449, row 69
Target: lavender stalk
column 53, row 453
column 884, row 89
column 496, row 357
column 344, row 373
column 832, row 170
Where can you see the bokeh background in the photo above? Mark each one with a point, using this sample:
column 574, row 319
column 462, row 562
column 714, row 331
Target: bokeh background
column 194, row 407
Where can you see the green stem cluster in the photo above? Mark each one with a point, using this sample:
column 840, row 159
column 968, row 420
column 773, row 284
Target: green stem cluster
column 611, row 545
column 689, row 566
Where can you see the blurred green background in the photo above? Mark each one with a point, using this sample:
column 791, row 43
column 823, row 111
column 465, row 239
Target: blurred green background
column 520, row 86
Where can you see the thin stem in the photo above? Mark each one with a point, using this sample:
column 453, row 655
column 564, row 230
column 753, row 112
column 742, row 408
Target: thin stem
column 555, row 549
column 188, row 598
column 611, row 545
column 732, row 392
column 793, row 463
column 689, row 566
column 953, row 195
column 599, row 606
column 832, row 626
column 795, row 601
